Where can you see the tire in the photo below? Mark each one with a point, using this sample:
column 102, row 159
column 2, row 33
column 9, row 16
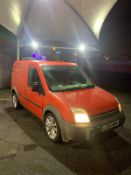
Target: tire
column 52, row 128
column 15, row 101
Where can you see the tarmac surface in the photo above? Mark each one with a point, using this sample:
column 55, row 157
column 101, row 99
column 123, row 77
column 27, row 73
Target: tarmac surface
column 25, row 150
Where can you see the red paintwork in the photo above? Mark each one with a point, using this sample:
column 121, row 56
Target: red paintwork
column 94, row 100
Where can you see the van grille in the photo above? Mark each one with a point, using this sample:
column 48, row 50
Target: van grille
column 104, row 115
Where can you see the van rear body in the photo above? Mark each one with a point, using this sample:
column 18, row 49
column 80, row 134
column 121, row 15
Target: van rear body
column 71, row 106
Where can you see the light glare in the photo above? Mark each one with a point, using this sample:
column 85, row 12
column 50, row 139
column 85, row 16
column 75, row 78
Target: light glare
column 35, row 44
column 82, row 47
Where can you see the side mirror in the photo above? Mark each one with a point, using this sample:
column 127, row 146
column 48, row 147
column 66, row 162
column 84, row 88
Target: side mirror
column 36, row 87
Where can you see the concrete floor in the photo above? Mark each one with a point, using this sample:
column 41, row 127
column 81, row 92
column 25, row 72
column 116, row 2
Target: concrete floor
column 25, row 150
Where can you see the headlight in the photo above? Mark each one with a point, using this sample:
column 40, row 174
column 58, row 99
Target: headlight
column 80, row 115
column 119, row 105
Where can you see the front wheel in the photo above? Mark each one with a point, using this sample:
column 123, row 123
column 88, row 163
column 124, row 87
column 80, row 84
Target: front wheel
column 52, row 128
column 15, row 101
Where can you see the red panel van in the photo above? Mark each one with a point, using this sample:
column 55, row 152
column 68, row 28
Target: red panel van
column 70, row 105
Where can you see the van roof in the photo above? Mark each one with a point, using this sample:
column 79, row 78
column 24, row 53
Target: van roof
column 59, row 63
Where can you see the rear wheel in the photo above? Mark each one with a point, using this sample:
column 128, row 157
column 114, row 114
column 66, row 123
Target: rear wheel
column 15, row 101
column 52, row 128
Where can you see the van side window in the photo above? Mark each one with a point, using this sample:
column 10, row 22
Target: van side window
column 30, row 73
column 33, row 77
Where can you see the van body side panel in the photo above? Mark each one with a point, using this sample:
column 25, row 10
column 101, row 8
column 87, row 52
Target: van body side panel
column 23, row 72
column 15, row 76
column 18, row 77
column 34, row 102
column 22, row 82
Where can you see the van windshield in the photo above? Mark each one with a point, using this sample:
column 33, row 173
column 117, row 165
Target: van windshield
column 65, row 78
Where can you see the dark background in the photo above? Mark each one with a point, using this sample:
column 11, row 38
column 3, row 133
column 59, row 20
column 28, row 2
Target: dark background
column 115, row 36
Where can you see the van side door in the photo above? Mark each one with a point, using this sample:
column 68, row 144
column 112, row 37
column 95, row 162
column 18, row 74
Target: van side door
column 34, row 92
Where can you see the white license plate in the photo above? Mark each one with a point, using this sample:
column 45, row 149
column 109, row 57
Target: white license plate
column 110, row 125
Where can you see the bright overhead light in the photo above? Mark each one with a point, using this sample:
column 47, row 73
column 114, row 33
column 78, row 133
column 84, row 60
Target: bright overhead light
column 35, row 44
column 82, row 47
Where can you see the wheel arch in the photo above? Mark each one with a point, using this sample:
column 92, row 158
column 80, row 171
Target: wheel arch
column 52, row 109
column 14, row 90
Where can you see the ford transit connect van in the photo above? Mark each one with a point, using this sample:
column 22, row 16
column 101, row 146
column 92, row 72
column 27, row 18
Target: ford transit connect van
column 70, row 105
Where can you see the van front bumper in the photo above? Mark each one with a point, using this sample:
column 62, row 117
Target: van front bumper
column 97, row 125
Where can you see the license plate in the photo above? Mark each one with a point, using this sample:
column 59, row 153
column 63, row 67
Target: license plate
column 110, row 125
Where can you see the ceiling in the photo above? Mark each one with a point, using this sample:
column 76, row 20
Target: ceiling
column 61, row 20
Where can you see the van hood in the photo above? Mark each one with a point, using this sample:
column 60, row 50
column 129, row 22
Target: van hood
column 94, row 100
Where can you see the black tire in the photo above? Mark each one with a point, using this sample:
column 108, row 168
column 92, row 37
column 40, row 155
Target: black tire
column 15, row 101
column 52, row 128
